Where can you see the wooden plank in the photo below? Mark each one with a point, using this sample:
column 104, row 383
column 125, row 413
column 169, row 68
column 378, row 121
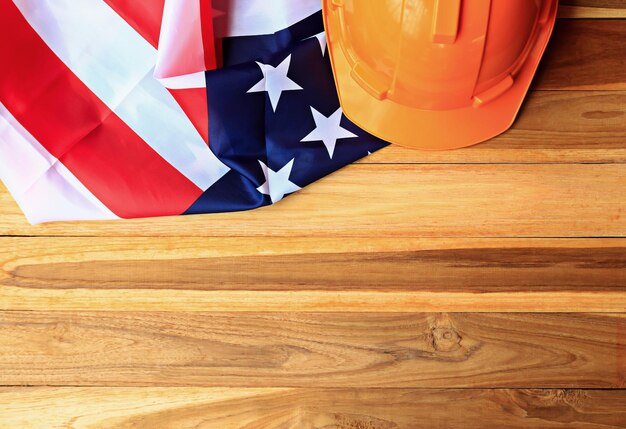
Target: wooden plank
column 584, row 55
column 317, row 274
column 591, row 12
column 191, row 408
column 601, row 4
column 425, row 350
column 592, row 9
column 405, row 201
column 473, row 265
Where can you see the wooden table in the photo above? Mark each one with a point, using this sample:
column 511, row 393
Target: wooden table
column 479, row 288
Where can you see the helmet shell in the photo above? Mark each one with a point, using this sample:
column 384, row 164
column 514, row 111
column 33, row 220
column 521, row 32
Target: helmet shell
column 435, row 74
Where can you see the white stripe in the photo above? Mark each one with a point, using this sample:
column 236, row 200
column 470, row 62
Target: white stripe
column 253, row 17
column 117, row 64
column 180, row 61
column 187, row 81
column 43, row 187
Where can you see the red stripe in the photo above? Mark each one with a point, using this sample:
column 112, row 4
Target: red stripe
column 208, row 38
column 194, row 103
column 145, row 17
column 76, row 127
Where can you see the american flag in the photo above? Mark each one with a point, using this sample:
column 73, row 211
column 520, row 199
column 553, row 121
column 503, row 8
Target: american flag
column 121, row 109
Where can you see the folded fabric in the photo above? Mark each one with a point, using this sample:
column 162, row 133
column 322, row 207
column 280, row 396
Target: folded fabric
column 123, row 109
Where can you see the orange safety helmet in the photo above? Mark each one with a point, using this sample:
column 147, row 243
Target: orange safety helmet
column 435, row 74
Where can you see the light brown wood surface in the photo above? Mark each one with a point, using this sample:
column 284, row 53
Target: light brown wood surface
column 407, row 200
column 592, row 9
column 313, row 274
column 477, row 288
column 275, row 408
column 257, row 349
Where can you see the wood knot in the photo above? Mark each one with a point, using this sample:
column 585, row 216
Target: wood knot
column 446, row 339
column 549, row 398
column 350, row 421
column 571, row 397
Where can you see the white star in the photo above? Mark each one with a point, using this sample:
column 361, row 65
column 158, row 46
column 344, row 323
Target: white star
column 275, row 81
column 328, row 130
column 277, row 184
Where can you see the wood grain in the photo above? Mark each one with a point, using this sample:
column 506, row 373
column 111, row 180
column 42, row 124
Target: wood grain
column 592, row 9
column 599, row 4
column 405, row 201
column 318, row 274
column 313, row 349
column 590, row 12
column 585, row 54
column 473, row 265
column 193, row 408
